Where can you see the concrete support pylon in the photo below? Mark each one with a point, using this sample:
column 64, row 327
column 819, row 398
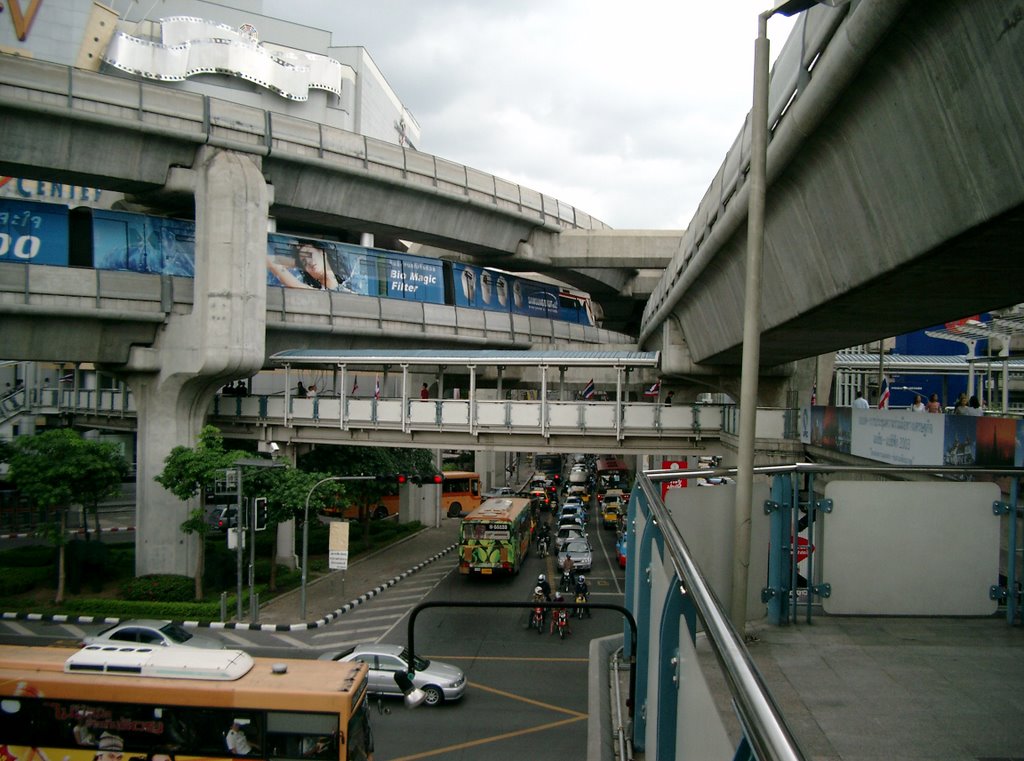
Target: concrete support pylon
column 223, row 338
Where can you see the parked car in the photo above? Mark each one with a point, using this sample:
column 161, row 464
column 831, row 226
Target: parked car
column 580, row 552
column 440, row 681
column 223, row 518
column 153, row 632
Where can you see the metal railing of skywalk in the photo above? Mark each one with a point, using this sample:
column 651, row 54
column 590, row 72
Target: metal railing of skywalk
column 676, row 589
column 544, row 418
column 611, row 421
column 934, row 541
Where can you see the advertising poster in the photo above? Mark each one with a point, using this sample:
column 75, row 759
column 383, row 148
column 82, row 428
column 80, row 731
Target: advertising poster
column 415, row 278
column 33, row 233
column 140, row 243
column 679, row 483
column 320, row 265
column 479, row 288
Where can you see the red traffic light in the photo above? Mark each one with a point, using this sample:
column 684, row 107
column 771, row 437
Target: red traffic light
column 401, row 478
column 426, row 480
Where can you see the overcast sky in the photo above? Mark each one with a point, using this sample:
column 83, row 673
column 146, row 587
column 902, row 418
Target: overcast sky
column 624, row 111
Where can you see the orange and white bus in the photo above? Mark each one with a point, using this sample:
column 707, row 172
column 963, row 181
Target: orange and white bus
column 179, row 703
column 460, row 492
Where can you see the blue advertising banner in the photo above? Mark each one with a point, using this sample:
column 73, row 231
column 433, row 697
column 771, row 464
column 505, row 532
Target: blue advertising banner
column 415, row 278
column 480, row 288
column 320, row 265
column 534, row 299
column 33, row 233
column 141, row 243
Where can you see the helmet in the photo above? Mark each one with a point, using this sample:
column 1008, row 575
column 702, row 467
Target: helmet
column 538, row 591
column 558, row 597
column 581, row 579
column 541, row 577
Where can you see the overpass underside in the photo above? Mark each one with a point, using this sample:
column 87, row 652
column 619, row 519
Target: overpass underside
column 895, row 196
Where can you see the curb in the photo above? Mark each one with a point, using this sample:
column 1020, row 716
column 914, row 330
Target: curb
column 239, row 625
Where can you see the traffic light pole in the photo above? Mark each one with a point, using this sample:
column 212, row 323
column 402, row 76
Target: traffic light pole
column 251, row 519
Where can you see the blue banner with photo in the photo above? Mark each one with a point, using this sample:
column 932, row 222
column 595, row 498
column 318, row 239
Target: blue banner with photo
column 141, row 243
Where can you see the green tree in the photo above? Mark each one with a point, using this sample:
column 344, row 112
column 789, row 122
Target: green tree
column 101, row 476
column 58, row 468
column 187, row 472
column 367, row 461
column 286, row 490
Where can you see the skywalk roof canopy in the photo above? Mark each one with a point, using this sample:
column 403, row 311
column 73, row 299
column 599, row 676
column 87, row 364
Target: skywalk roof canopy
column 495, row 358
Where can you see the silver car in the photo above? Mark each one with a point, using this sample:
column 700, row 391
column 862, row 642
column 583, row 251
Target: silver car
column 566, row 535
column 146, row 631
column 439, row 681
column 581, row 554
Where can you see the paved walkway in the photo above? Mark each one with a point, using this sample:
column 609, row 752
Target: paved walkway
column 330, row 596
column 875, row 689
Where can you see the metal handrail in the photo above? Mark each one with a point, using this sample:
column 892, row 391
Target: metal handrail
column 763, row 725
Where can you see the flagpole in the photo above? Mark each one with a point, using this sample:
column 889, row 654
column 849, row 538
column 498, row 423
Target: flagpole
column 881, row 369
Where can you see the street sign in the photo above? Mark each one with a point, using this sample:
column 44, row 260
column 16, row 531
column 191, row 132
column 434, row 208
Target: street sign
column 337, row 555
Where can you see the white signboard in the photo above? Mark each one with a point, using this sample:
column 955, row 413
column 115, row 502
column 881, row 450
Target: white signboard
column 337, row 558
column 898, row 437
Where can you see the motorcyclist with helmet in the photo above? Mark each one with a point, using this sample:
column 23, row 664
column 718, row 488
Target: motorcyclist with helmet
column 560, row 615
column 544, row 587
column 582, row 594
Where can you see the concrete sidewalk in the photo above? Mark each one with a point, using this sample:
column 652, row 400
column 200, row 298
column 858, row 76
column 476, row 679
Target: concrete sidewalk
column 329, row 596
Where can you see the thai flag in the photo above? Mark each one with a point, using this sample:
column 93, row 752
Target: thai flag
column 355, row 385
column 588, row 390
column 654, row 390
column 814, row 395
column 376, row 390
column 883, row 397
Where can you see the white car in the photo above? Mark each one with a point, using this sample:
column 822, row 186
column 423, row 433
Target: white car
column 568, row 534
column 499, row 491
column 440, row 681
column 147, row 631
column 581, row 554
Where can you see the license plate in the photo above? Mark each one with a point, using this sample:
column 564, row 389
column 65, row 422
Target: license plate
column 485, row 570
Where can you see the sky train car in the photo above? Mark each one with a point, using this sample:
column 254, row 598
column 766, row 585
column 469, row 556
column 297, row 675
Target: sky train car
column 42, row 233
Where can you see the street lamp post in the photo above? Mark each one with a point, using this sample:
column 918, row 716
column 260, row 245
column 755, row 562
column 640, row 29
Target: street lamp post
column 758, row 180
column 305, row 533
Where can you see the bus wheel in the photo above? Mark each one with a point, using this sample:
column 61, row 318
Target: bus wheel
column 454, row 510
column 380, row 513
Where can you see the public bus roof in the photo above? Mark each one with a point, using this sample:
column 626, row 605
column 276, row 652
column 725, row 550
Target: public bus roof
column 304, row 686
column 495, row 357
column 499, row 509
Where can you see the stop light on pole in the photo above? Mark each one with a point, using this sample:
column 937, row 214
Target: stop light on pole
column 427, row 480
column 392, row 478
column 259, row 513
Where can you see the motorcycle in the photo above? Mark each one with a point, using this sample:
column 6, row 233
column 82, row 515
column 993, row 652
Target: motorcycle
column 542, row 547
column 566, row 582
column 580, row 610
column 537, row 619
column 561, row 623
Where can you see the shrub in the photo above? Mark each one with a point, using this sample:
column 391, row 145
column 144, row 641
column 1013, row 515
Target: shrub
column 159, row 588
column 15, row 581
column 36, row 556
